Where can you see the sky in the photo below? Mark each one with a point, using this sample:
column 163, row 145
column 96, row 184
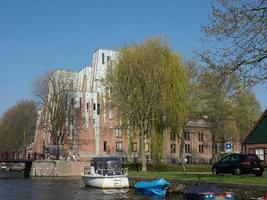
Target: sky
column 40, row 35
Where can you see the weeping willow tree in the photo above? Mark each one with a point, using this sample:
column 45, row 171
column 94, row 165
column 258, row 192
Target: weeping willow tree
column 149, row 91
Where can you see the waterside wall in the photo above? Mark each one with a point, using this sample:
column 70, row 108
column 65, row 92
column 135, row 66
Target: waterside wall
column 51, row 168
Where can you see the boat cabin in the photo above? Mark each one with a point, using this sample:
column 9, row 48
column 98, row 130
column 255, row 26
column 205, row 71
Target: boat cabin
column 107, row 165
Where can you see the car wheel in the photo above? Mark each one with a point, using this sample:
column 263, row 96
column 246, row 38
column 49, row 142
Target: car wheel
column 258, row 174
column 215, row 171
column 237, row 171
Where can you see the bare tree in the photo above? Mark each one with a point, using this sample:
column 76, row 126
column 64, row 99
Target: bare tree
column 52, row 89
column 240, row 29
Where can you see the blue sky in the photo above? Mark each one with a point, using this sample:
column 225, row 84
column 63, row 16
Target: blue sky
column 40, row 35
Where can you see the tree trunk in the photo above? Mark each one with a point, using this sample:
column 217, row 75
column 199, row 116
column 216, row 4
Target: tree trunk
column 57, row 156
column 182, row 155
column 142, row 150
column 130, row 142
column 215, row 149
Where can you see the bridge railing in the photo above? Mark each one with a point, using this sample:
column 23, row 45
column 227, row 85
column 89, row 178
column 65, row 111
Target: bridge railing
column 21, row 156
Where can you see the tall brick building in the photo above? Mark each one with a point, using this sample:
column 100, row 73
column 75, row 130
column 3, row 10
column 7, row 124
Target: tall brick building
column 94, row 131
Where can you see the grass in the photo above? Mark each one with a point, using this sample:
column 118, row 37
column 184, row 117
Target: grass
column 172, row 175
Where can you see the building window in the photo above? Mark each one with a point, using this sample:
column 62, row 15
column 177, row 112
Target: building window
column 187, row 148
column 72, row 119
column 110, row 112
column 173, row 148
column 147, row 158
column 173, row 137
column 72, row 102
column 251, row 151
column 187, row 136
column 147, row 147
column 110, row 123
column 108, row 58
column 201, row 148
column 71, row 85
column 105, row 146
column 94, row 106
column 103, row 58
column 134, row 147
column 200, row 136
column 87, row 107
column 118, row 133
column 260, row 153
column 80, row 103
column 98, row 109
column 119, row 146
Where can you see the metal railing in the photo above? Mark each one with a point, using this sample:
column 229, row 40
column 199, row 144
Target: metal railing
column 21, row 156
column 105, row 172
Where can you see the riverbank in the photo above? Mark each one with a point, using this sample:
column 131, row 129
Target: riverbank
column 245, row 187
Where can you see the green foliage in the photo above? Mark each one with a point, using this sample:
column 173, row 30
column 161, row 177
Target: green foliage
column 156, row 146
column 247, row 111
column 149, row 89
column 17, row 126
column 231, row 108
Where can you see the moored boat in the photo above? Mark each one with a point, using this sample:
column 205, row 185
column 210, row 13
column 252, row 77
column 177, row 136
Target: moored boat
column 260, row 198
column 105, row 172
column 152, row 188
column 207, row 192
column 4, row 167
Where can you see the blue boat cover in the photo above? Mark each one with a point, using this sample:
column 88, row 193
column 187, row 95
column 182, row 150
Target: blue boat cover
column 152, row 188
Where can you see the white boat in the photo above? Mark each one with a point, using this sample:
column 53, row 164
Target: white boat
column 105, row 172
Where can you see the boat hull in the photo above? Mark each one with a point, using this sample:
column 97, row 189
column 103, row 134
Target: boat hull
column 107, row 182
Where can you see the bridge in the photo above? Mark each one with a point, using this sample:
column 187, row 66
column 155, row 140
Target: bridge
column 15, row 157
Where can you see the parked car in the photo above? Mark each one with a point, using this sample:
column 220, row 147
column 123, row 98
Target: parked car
column 238, row 164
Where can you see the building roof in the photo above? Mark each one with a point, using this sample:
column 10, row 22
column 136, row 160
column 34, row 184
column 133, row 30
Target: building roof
column 258, row 133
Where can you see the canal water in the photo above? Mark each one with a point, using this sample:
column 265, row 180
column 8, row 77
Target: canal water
column 14, row 187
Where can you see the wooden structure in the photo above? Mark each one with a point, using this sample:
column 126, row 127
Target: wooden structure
column 256, row 140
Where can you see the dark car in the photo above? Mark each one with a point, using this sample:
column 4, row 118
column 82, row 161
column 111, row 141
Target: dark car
column 239, row 164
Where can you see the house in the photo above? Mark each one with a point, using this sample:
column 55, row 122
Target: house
column 256, row 140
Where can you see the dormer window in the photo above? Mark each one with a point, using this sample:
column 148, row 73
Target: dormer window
column 103, row 58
